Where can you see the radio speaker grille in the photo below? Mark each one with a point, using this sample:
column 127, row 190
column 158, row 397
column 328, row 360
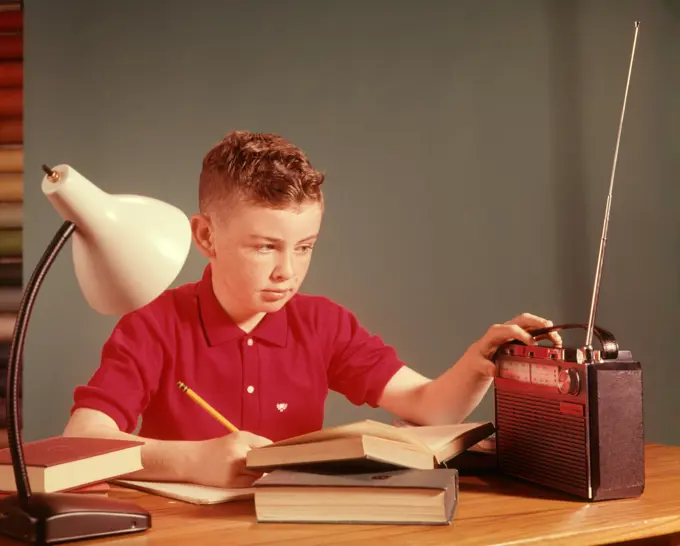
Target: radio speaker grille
column 538, row 443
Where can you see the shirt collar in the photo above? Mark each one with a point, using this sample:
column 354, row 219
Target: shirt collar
column 220, row 328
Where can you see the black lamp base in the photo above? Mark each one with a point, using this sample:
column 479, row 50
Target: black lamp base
column 52, row 518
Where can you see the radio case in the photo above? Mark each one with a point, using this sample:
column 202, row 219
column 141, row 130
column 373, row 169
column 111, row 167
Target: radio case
column 571, row 419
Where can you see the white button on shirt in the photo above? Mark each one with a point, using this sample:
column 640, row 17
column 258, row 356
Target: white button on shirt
column 250, row 342
column 250, row 389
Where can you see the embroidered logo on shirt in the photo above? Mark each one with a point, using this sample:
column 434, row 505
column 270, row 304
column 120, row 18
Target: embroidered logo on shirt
column 281, row 406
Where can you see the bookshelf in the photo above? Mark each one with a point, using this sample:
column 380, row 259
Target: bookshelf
column 11, row 181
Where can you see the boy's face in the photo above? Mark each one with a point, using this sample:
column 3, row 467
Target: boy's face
column 260, row 256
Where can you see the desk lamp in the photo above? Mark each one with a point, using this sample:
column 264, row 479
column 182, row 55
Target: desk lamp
column 127, row 249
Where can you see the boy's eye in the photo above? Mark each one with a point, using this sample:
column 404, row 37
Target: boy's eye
column 306, row 248
column 264, row 248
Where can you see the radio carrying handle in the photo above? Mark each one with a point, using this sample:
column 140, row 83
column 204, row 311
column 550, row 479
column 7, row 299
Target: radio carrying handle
column 610, row 349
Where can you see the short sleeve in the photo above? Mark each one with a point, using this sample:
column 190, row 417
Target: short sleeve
column 361, row 364
column 132, row 359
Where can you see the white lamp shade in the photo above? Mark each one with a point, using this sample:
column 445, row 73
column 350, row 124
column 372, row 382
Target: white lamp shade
column 127, row 249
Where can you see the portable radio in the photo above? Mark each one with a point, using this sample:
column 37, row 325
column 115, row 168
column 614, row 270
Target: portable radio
column 572, row 418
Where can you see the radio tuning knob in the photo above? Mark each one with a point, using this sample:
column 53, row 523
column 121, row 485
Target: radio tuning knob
column 568, row 382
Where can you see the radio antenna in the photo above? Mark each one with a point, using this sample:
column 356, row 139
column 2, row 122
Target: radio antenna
column 605, row 225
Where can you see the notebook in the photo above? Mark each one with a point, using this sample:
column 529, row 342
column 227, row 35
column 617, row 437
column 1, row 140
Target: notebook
column 187, row 492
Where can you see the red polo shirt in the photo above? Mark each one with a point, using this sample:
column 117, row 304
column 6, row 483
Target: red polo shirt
column 272, row 381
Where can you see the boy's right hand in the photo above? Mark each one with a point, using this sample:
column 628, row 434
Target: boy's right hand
column 221, row 462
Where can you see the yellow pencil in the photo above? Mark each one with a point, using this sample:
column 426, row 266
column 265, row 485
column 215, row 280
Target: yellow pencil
column 207, row 407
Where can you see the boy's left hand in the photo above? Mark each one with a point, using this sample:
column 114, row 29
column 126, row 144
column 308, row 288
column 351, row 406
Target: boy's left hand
column 480, row 353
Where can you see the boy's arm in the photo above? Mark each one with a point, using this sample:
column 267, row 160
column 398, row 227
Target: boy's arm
column 218, row 462
column 110, row 404
column 453, row 395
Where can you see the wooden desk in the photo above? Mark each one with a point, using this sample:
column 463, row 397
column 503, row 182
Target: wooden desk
column 492, row 510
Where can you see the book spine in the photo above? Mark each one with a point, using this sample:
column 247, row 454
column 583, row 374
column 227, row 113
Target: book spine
column 11, row 181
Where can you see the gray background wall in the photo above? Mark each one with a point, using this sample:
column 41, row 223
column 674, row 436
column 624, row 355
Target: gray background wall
column 467, row 145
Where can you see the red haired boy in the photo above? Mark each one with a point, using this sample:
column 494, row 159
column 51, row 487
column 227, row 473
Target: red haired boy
column 260, row 352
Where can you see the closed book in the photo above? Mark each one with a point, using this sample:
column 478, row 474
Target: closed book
column 11, row 46
column 11, row 242
column 11, row 20
column 10, row 298
column 11, row 102
column 11, row 131
column 4, row 355
column 11, row 215
column 11, row 73
column 408, row 497
column 11, row 271
column 11, row 186
column 60, row 463
column 11, row 159
column 369, row 445
column 7, row 322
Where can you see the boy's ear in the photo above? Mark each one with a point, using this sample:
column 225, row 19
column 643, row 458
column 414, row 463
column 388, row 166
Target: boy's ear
column 202, row 234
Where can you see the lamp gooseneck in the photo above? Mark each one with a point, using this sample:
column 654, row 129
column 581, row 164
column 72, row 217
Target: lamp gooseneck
column 16, row 352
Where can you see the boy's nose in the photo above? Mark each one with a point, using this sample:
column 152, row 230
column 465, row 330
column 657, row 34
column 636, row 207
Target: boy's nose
column 286, row 268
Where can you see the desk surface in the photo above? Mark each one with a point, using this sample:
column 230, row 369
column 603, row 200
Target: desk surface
column 492, row 510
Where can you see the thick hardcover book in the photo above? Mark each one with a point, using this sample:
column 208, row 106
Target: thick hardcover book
column 407, row 496
column 61, row 463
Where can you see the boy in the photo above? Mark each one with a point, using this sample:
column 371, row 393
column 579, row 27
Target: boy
column 243, row 338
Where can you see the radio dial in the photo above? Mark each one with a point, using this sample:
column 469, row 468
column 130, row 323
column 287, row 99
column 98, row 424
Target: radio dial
column 568, row 381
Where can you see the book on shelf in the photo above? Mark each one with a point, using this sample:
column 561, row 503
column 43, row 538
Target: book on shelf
column 11, row 271
column 10, row 299
column 11, row 158
column 11, row 102
column 11, row 242
column 5, row 15
column 370, row 445
column 405, row 496
column 7, row 321
column 11, row 215
column 60, row 463
column 11, row 187
column 11, row 46
column 11, row 73
column 11, row 131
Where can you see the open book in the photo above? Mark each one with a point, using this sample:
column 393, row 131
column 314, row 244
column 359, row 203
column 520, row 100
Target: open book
column 367, row 445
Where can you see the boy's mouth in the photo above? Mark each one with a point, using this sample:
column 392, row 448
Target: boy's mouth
column 275, row 295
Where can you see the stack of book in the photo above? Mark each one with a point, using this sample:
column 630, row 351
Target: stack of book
column 361, row 472
column 11, row 180
column 364, row 472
